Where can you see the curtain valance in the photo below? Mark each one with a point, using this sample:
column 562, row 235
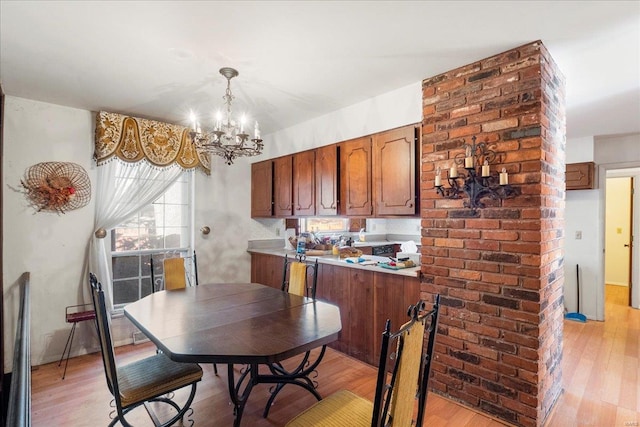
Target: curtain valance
column 133, row 139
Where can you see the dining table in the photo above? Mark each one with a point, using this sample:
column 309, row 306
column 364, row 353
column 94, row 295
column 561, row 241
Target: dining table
column 238, row 323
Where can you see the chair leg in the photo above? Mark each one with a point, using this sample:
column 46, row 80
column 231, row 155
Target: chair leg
column 67, row 349
column 215, row 369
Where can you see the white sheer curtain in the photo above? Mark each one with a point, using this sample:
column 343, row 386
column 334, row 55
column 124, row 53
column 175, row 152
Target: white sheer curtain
column 122, row 190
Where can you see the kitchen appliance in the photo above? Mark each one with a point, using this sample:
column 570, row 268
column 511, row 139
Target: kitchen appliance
column 383, row 250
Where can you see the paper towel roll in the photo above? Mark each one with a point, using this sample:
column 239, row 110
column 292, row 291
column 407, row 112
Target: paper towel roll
column 409, row 247
column 289, row 232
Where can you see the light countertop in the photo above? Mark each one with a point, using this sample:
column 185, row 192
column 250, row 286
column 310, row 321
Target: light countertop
column 335, row 260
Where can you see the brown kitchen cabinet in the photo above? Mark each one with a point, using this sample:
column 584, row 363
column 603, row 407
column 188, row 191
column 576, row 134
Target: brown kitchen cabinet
column 580, row 176
column 282, row 186
column 267, row 270
column 366, row 300
column 355, row 177
column 262, row 189
column 304, row 187
column 393, row 296
column 333, row 287
column 327, row 180
column 394, row 172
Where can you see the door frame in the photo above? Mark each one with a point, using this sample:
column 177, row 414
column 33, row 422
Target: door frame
column 630, row 169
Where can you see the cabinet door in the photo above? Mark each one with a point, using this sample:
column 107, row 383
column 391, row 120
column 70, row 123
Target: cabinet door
column 361, row 316
column 261, row 189
column 327, row 180
column 282, row 186
column 304, row 183
column 267, row 270
column 394, row 171
column 333, row 287
column 355, row 179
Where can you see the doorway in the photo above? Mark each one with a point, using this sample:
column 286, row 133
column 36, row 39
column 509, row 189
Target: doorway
column 618, row 237
column 621, row 228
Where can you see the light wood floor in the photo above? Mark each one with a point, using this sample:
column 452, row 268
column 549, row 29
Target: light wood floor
column 601, row 376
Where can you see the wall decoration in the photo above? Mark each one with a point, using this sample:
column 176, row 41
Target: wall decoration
column 56, row 186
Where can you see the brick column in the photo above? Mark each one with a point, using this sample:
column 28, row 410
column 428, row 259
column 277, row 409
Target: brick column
column 498, row 269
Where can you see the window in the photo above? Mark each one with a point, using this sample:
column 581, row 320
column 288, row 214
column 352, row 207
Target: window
column 161, row 229
column 324, row 225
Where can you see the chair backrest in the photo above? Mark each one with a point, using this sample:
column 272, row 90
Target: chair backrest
column 175, row 274
column 103, row 327
column 395, row 394
column 296, row 278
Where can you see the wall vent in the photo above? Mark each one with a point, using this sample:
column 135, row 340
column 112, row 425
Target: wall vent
column 139, row 337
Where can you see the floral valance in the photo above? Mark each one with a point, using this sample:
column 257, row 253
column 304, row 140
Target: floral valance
column 134, row 139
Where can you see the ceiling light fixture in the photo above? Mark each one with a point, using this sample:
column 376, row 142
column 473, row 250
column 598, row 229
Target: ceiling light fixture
column 229, row 137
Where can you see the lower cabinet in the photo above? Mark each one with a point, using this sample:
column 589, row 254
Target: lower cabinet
column 366, row 300
column 267, row 270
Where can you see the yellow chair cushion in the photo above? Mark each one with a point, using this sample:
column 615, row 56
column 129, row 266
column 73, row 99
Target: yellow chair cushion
column 154, row 376
column 174, row 274
column 404, row 393
column 341, row 409
column 298, row 278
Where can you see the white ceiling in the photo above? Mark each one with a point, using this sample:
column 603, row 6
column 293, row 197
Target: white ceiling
column 299, row 60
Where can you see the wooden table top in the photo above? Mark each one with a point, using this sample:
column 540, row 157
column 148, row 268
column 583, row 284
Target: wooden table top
column 234, row 323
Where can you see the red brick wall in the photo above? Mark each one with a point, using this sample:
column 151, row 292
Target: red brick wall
column 498, row 269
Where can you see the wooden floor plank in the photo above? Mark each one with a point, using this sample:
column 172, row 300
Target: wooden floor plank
column 601, row 386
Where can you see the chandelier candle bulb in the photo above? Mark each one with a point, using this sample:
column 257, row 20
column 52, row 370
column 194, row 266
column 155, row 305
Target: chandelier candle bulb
column 256, row 131
column 218, row 120
column 504, row 177
column 453, row 172
column 438, row 178
column 485, row 169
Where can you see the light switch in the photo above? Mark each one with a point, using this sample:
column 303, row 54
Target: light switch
column 618, row 230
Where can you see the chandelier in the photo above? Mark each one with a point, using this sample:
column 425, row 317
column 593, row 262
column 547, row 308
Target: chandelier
column 229, row 137
column 475, row 184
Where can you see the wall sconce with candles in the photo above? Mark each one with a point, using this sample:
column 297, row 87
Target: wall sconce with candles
column 476, row 185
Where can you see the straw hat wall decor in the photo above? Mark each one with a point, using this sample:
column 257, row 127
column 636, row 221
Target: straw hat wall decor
column 56, row 186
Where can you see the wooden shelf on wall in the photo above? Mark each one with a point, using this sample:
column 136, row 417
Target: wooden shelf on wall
column 580, row 176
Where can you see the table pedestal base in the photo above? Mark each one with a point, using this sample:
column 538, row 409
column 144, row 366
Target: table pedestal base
column 240, row 390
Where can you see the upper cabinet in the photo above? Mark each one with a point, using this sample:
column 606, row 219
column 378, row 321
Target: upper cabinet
column 294, row 185
column 262, row 189
column 376, row 175
column 304, row 178
column 580, row 176
column 282, row 186
column 394, row 172
column 327, row 180
column 355, row 177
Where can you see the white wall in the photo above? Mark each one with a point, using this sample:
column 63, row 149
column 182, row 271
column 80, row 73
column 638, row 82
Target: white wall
column 51, row 246
column 584, row 211
column 613, row 153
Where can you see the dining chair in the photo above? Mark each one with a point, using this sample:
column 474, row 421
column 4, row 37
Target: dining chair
column 403, row 376
column 153, row 379
column 299, row 278
column 175, row 274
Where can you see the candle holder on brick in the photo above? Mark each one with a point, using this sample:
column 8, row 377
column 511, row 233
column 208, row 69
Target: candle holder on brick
column 475, row 184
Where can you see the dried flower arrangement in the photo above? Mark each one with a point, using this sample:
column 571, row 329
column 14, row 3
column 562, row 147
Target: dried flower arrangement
column 57, row 186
